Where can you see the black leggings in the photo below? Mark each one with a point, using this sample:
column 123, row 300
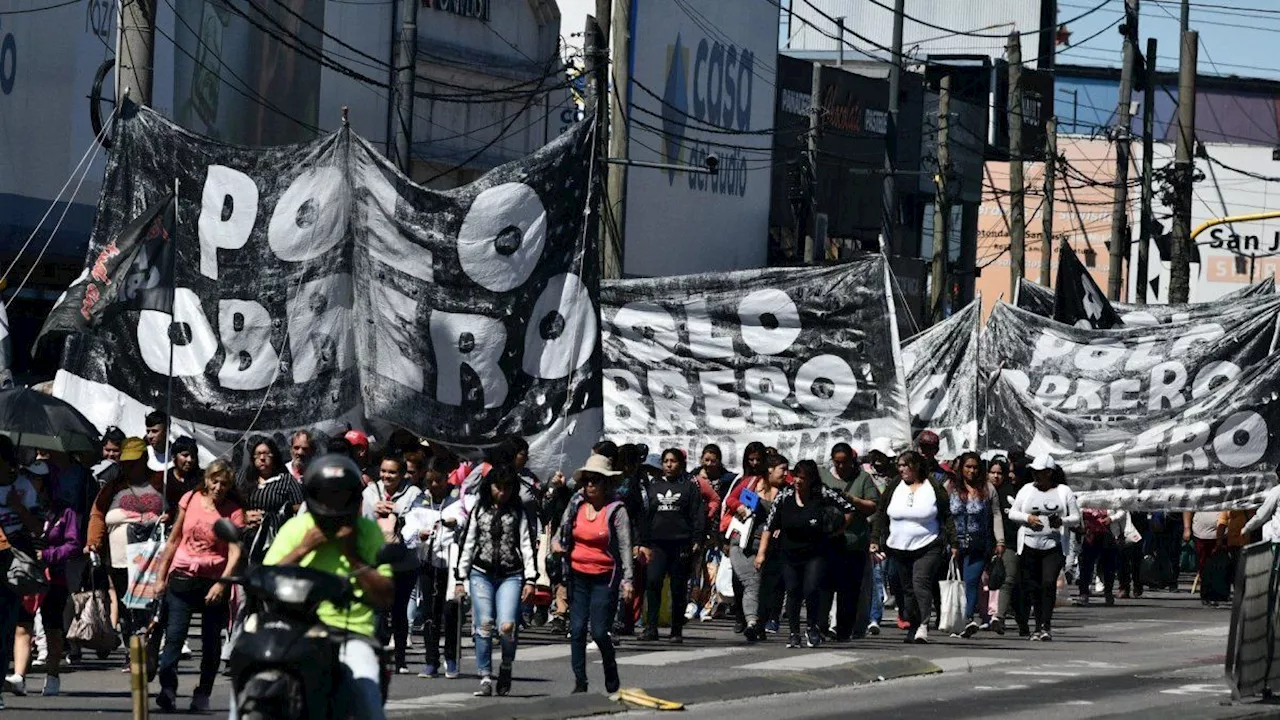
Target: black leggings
column 404, row 584
column 670, row 559
column 804, row 578
column 1038, row 574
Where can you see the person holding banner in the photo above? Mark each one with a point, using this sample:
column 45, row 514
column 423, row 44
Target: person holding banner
column 914, row 524
column 55, row 525
column 1045, row 510
column 194, row 559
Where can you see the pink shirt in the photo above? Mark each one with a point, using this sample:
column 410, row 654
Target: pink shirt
column 200, row 553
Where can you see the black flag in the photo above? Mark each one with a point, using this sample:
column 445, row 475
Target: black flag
column 134, row 271
column 1078, row 300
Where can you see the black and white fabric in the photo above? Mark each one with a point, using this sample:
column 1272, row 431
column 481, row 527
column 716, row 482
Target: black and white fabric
column 941, row 368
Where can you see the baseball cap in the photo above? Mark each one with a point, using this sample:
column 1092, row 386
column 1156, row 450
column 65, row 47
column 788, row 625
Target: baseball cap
column 133, row 449
column 357, row 437
column 1043, row 462
column 883, row 446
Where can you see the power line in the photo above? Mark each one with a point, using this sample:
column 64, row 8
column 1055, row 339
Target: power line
column 54, row 6
column 969, row 33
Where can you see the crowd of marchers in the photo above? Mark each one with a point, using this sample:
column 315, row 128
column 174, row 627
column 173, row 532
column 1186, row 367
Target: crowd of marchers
column 631, row 545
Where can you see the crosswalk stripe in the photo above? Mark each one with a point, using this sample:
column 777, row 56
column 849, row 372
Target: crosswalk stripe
column 1219, row 631
column 672, row 657
column 440, row 700
column 542, row 652
column 952, row 664
column 803, row 661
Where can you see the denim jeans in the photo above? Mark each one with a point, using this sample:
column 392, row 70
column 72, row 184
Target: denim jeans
column 877, row 592
column 495, row 603
column 972, row 563
column 182, row 603
column 593, row 599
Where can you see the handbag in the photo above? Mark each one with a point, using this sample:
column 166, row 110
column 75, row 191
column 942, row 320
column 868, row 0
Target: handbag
column 142, row 559
column 832, row 520
column 996, row 573
column 91, row 626
column 26, row 574
column 951, row 617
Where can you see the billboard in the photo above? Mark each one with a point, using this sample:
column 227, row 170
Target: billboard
column 702, row 82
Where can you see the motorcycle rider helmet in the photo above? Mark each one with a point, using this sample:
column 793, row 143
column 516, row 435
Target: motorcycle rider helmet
column 332, row 487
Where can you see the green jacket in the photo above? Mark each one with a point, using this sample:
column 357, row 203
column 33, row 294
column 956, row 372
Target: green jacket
column 880, row 524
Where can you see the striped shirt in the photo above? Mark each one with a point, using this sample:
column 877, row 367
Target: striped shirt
column 281, row 491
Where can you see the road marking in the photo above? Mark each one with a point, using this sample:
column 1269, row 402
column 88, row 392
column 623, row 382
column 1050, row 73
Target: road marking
column 1198, row 689
column 1042, row 673
column 803, row 661
column 1119, row 626
column 1078, row 702
column 964, row 664
column 1094, row 664
column 672, row 657
column 458, row 699
column 1216, row 631
column 544, row 652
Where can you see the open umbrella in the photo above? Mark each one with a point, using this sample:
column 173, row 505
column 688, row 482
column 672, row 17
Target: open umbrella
column 34, row 419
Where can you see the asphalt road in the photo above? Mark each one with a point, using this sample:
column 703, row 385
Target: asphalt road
column 1158, row 655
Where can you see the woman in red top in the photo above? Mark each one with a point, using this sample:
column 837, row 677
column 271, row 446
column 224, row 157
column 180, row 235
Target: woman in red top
column 192, row 562
column 595, row 540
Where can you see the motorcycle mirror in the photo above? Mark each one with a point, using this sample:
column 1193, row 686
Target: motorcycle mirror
column 226, row 530
column 390, row 554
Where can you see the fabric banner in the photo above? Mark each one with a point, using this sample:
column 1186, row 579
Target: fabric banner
column 941, row 369
column 1129, row 372
column 797, row 358
column 1078, row 300
column 317, row 286
column 1216, row 451
column 1039, row 300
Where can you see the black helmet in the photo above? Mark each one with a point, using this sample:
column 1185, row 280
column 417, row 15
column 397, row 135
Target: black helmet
column 332, row 486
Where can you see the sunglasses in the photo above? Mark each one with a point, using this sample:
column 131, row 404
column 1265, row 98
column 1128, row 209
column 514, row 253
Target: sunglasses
column 593, row 480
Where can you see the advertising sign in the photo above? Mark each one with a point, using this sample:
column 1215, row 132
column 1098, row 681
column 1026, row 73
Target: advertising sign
column 702, row 82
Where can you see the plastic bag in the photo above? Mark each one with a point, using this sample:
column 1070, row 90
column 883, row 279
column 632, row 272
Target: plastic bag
column 724, row 578
column 951, row 617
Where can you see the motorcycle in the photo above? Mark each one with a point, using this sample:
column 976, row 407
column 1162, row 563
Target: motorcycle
column 285, row 662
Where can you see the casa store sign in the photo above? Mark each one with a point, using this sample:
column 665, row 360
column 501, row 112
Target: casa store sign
column 477, row 9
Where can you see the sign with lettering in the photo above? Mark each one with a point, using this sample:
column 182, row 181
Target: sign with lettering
column 478, row 9
column 316, row 285
column 798, row 358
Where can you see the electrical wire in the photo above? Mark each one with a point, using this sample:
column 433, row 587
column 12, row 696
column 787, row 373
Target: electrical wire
column 967, row 33
column 54, row 6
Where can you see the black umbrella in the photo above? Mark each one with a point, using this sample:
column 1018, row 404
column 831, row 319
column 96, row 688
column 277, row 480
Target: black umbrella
column 34, row 419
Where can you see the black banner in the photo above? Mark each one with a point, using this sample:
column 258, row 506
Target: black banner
column 1038, row 299
column 941, row 368
column 1078, row 300
column 798, row 358
column 1216, row 451
column 317, row 285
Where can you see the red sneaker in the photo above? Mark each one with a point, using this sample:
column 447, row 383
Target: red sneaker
column 903, row 624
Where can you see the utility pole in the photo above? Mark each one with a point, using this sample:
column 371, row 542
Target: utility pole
column 1017, row 194
column 597, row 68
column 1184, row 22
column 619, row 140
column 406, row 60
column 1180, row 265
column 1119, row 206
column 1147, row 223
column 815, row 129
column 840, row 38
column 1046, row 217
column 941, row 203
column 889, row 201
column 137, row 50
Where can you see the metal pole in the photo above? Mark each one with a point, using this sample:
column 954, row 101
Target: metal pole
column 619, row 136
column 815, row 128
column 406, row 60
column 1180, row 265
column 941, row 204
column 137, row 49
column 1147, row 224
column 889, row 202
column 1046, row 218
column 840, row 39
column 1184, row 21
column 1120, row 203
column 1017, row 196
column 597, row 67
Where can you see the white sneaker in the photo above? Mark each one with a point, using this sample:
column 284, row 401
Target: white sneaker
column 922, row 635
column 52, row 686
column 691, row 611
column 16, row 684
column 186, row 651
column 873, row 628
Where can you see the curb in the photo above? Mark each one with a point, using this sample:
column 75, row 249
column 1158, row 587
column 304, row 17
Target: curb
column 860, row 672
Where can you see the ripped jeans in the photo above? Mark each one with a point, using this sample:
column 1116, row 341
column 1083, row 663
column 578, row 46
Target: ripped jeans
column 495, row 602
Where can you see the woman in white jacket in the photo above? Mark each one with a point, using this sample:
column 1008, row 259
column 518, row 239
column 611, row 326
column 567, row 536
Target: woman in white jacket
column 1044, row 509
column 497, row 560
